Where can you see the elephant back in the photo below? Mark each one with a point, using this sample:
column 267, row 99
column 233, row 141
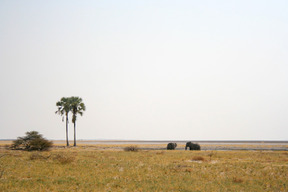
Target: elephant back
column 192, row 146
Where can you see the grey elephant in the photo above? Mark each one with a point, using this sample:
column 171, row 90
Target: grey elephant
column 171, row 146
column 192, row 146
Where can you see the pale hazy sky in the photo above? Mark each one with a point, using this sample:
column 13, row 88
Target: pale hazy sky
column 146, row 69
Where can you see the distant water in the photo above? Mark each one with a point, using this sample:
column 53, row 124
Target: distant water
column 182, row 142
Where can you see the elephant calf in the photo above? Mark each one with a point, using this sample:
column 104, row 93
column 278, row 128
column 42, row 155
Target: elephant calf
column 171, row 146
column 192, row 146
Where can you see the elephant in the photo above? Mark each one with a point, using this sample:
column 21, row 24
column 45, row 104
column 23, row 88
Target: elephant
column 171, row 146
column 192, row 146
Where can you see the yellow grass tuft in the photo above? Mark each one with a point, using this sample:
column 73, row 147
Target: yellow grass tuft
column 64, row 158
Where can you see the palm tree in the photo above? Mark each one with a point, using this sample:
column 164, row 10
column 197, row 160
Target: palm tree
column 77, row 107
column 64, row 107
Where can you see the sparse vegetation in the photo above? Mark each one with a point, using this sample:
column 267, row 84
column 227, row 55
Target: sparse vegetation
column 2, row 169
column 37, row 156
column 64, row 158
column 88, row 168
column 33, row 141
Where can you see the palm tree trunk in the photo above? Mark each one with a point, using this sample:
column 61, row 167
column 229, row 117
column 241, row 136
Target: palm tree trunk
column 67, row 141
column 75, row 134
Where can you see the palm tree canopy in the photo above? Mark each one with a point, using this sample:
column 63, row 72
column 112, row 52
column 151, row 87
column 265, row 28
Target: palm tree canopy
column 64, row 106
column 77, row 107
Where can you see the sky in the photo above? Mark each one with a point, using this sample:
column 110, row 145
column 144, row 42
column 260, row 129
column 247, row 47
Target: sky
column 146, row 69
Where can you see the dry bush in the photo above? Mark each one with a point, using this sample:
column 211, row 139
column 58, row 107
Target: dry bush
column 198, row 158
column 237, row 180
column 64, row 159
column 133, row 148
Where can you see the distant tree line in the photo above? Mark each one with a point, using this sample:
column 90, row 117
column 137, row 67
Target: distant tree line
column 73, row 105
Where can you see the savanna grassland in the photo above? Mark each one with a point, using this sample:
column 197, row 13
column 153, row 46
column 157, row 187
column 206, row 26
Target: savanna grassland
column 88, row 168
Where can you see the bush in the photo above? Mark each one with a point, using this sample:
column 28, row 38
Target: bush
column 131, row 148
column 40, row 144
column 33, row 141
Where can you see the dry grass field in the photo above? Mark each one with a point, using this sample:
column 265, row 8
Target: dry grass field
column 110, row 168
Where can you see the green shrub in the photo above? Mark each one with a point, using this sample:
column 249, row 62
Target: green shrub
column 40, row 144
column 33, row 141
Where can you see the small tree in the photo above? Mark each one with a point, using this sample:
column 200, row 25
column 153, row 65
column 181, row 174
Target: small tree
column 77, row 107
column 32, row 141
column 64, row 107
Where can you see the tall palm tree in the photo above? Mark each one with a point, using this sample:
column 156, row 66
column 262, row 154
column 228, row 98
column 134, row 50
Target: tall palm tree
column 77, row 107
column 64, row 107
